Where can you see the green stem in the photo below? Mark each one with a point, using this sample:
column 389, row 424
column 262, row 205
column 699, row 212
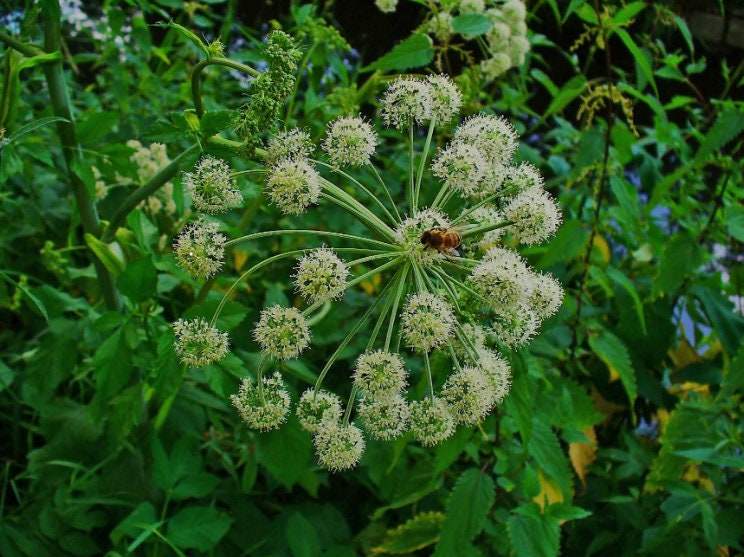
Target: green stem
column 153, row 184
column 360, row 210
column 399, row 292
column 387, row 192
column 163, row 175
column 360, row 186
column 411, row 182
column 245, row 275
column 300, row 70
column 349, row 405
column 354, row 330
column 429, row 378
column 257, row 235
column 28, row 50
column 483, row 228
column 67, row 132
column 215, row 61
column 422, row 162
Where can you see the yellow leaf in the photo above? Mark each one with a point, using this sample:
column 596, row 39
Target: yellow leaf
column 604, row 249
column 583, row 454
column 688, row 386
column 605, row 406
column 692, row 474
column 239, row 258
column 370, row 286
column 549, row 494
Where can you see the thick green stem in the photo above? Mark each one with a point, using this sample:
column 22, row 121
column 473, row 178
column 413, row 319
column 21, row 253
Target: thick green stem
column 386, row 191
column 66, row 130
column 156, row 182
column 28, row 50
column 215, row 61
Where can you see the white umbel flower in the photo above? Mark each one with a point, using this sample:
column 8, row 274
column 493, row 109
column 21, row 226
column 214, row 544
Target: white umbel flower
column 321, row 275
column 427, row 321
column 350, row 141
column 431, row 421
column 265, row 407
column 461, row 166
column 200, row 248
column 446, row 98
column 503, row 279
column 282, row 333
column 293, row 185
column 384, row 417
column 211, row 187
column 197, row 344
column 316, row 407
column 469, row 395
column 493, row 135
column 407, row 101
column 379, row 373
column 294, row 143
column 535, row 214
column 339, row 447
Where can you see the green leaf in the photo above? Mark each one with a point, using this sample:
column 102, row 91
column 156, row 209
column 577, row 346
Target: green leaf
column 573, row 88
column 735, row 221
column 273, row 448
column 611, row 350
column 414, row 52
column 105, row 254
column 26, row 292
column 617, row 276
column 303, row 537
column 112, row 365
column 195, row 485
column 639, row 57
column 96, row 124
column 532, row 534
column 139, row 280
column 141, row 518
column 728, row 125
column 471, row 24
column 467, row 508
column 544, row 447
column 198, row 528
column 682, row 255
column 216, row 121
column 33, row 126
column 719, row 309
column 568, row 242
column 416, row 533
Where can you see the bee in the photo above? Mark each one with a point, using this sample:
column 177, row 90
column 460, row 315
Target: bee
column 444, row 240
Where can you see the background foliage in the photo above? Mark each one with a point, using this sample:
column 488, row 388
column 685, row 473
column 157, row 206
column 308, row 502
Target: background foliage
column 623, row 430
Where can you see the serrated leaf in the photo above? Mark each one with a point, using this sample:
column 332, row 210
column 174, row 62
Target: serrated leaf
column 719, row 309
column 471, row 24
column 568, row 242
column 619, row 278
column 582, row 455
column 728, row 125
column 681, row 256
column 303, row 537
column 139, row 280
column 273, row 448
column 532, row 534
column 216, row 121
column 544, row 447
column 198, row 528
column 416, row 533
column 735, row 221
column 165, row 131
column 611, row 350
column 467, row 508
column 416, row 51
column 639, row 56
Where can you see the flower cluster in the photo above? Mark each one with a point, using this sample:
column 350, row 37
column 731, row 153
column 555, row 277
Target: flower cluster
column 452, row 286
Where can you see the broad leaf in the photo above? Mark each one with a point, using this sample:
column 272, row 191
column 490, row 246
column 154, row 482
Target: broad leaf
column 416, row 51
